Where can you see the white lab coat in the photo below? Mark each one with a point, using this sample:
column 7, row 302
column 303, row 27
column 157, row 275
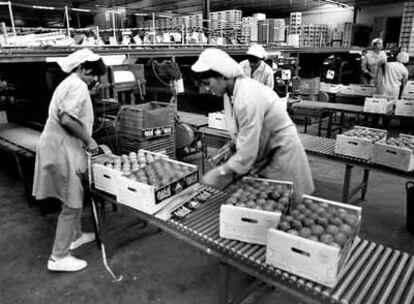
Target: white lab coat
column 395, row 74
column 260, row 126
column 263, row 73
column 61, row 158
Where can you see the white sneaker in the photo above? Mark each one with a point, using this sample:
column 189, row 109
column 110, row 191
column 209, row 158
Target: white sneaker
column 83, row 239
column 68, row 263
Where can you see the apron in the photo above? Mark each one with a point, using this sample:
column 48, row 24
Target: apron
column 61, row 157
column 289, row 162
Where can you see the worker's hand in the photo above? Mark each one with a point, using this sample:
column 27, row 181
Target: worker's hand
column 93, row 146
column 217, row 177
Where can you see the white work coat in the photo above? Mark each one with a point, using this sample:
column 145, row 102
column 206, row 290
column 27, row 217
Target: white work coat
column 373, row 62
column 263, row 73
column 61, row 158
column 265, row 136
column 395, row 74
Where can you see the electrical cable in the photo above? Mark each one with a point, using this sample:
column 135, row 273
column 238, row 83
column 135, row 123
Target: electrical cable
column 96, row 218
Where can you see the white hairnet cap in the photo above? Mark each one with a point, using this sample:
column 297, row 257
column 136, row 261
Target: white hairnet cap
column 403, row 57
column 257, row 51
column 70, row 62
column 218, row 61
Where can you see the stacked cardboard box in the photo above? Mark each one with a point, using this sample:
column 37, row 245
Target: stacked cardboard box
column 407, row 28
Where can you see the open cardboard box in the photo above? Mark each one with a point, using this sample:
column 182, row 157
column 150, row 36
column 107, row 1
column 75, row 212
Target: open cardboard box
column 316, row 261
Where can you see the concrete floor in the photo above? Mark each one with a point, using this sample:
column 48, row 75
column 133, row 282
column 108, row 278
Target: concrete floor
column 157, row 267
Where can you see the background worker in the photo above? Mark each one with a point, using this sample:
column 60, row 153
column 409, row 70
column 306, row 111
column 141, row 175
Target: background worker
column 395, row 77
column 372, row 63
column 61, row 157
column 265, row 137
column 255, row 67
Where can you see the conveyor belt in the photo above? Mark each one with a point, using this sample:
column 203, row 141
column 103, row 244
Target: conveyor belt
column 192, row 119
column 315, row 145
column 373, row 274
column 21, row 137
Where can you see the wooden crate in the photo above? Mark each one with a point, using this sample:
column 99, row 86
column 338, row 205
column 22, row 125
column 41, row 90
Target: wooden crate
column 401, row 158
column 150, row 199
column 309, row 259
column 404, row 107
column 249, row 225
column 217, row 120
column 381, row 105
column 354, row 146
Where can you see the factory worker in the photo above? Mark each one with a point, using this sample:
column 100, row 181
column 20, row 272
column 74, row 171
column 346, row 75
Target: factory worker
column 372, row 63
column 61, row 157
column 255, row 67
column 264, row 135
column 395, row 77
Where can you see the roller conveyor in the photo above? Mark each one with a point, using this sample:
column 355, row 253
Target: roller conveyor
column 372, row 274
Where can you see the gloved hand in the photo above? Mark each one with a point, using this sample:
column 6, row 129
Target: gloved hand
column 215, row 177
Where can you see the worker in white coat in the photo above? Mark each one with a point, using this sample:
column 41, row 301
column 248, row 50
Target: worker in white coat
column 265, row 137
column 372, row 63
column 395, row 77
column 255, row 67
column 61, row 155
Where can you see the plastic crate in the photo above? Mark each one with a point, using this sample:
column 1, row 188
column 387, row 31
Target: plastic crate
column 148, row 126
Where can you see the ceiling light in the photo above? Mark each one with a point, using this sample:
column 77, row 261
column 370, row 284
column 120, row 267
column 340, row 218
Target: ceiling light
column 44, row 7
column 80, row 10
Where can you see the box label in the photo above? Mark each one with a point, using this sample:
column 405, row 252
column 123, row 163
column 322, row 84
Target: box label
column 157, row 132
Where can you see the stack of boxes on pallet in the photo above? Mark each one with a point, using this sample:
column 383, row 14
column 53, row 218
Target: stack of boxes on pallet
column 314, row 35
column 347, row 37
column 271, row 30
column 249, row 30
column 295, row 27
column 407, row 28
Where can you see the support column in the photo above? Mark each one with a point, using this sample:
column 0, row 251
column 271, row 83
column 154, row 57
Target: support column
column 206, row 17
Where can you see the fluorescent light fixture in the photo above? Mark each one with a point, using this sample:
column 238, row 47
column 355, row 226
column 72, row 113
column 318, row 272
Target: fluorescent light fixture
column 80, row 10
column 164, row 16
column 337, row 3
column 141, row 14
column 44, row 7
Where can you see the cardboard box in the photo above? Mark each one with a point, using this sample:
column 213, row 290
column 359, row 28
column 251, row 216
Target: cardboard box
column 346, row 90
column 148, row 198
column 354, row 146
column 106, row 178
column 329, row 87
column 362, row 90
column 401, row 158
column 217, row 120
column 381, row 105
column 409, row 89
column 309, row 259
column 249, row 225
column 405, row 107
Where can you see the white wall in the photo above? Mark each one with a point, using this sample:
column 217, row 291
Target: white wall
column 332, row 15
column 335, row 16
column 367, row 13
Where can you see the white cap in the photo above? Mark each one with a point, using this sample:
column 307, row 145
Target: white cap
column 218, row 61
column 70, row 62
column 403, row 57
column 257, row 51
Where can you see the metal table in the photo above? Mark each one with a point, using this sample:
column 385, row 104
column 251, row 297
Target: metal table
column 192, row 119
column 21, row 142
column 318, row 146
column 342, row 108
column 372, row 274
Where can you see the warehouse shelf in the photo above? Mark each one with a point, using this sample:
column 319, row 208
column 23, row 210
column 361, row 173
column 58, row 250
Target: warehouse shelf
column 42, row 54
